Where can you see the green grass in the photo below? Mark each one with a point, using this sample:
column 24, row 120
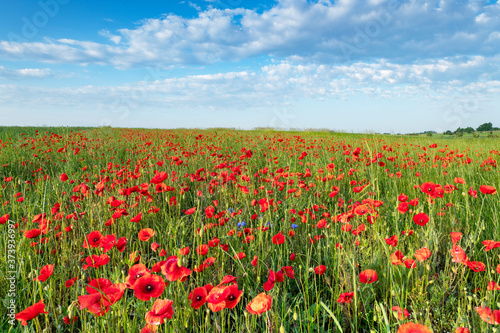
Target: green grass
column 438, row 293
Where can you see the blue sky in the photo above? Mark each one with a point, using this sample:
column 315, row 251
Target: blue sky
column 358, row 66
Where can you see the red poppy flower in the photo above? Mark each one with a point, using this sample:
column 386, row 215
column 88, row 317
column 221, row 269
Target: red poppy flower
column 260, row 304
column 402, row 197
column 119, row 213
column 239, row 256
column 146, row 234
column 428, row 188
column 209, row 261
column 96, row 261
column 161, row 309
column 490, row 245
column 320, row 270
column 155, row 246
column 107, row 243
column 209, row 212
column 101, row 294
column 93, row 239
column 393, row 240
column 402, row 313
column 70, row 282
column 173, row 271
column 403, row 207
column 30, row 312
column 136, row 218
column 397, row 258
column 361, row 210
column 33, row 233
column 268, row 285
column 421, row 219
column 216, row 298
column 423, row 254
column 136, row 272
column 487, row 189
column 4, row 218
column 190, row 211
column 368, row 276
column 149, row 329
column 217, row 294
column 68, row 321
column 198, row 297
column 254, row 261
column 410, row 263
column 202, row 249
column 413, row 328
column 45, row 273
column 492, row 285
column 214, row 242
column 278, row 239
column 233, row 297
column 345, row 297
column 63, row 177
column 488, row 315
column 455, row 237
column 149, row 286
column 288, row 271
column 120, row 245
column 476, row 266
column 458, row 255
column 159, row 177
column 227, row 279
column 462, row 330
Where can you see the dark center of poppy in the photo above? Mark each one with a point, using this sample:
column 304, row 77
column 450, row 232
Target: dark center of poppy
column 198, row 298
column 138, row 275
column 149, row 288
column 231, row 297
column 95, row 240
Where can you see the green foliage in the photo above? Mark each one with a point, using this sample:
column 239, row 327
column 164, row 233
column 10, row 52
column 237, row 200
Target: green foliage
column 485, row 127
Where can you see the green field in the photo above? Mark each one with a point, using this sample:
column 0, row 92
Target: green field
column 304, row 217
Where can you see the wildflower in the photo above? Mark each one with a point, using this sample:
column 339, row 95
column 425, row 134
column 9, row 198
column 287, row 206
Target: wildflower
column 260, row 304
column 31, row 312
column 413, row 328
column 149, row 286
column 161, row 309
column 368, row 276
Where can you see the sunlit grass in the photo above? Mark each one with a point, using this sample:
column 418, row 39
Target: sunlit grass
column 214, row 168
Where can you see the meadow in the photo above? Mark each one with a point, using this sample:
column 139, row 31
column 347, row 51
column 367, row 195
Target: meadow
column 142, row 230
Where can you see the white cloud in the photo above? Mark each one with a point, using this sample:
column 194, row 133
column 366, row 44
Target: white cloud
column 276, row 85
column 37, row 73
column 323, row 31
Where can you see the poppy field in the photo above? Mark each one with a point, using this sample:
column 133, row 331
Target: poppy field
column 141, row 230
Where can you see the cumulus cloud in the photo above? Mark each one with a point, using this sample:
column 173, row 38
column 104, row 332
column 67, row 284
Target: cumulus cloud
column 278, row 84
column 322, row 31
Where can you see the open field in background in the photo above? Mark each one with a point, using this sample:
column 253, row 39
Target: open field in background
column 341, row 232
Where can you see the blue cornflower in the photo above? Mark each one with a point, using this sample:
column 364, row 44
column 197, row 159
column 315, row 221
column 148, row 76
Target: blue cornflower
column 294, row 226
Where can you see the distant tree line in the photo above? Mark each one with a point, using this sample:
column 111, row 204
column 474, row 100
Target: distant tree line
column 486, row 127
